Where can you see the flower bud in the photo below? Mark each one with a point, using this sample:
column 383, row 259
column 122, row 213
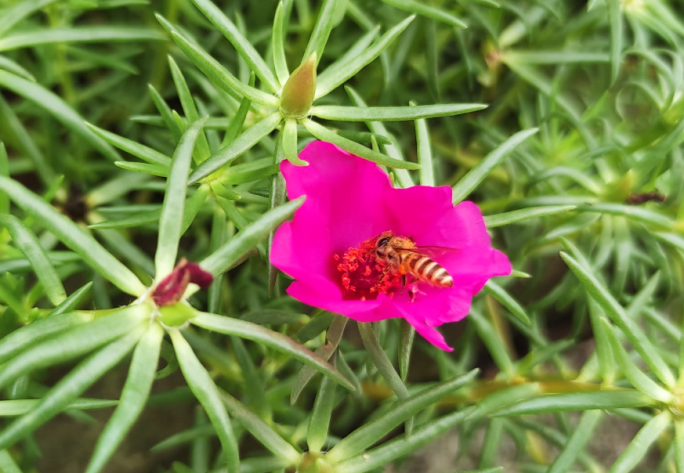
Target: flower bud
column 171, row 289
column 299, row 90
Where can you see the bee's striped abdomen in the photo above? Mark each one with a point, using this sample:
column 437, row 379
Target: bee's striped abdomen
column 426, row 269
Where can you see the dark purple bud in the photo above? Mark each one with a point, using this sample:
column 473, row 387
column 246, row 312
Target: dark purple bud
column 199, row 276
column 170, row 290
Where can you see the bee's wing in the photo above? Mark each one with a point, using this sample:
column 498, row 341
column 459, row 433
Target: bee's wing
column 433, row 251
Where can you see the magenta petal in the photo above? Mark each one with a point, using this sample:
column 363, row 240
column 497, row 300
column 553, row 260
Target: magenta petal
column 325, row 298
column 438, row 306
column 427, row 214
column 429, row 333
column 471, row 267
column 461, row 226
column 344, row 191
column 342, row 208
column 414, row 211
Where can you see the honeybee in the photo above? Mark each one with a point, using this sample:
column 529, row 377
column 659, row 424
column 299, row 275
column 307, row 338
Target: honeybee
column 403, row 256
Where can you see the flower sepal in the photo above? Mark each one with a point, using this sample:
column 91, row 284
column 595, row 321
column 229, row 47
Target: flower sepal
column 176, row 315
column 314, row 462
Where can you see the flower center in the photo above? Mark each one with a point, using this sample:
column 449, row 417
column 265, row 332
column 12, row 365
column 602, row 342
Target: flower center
column 363, row 275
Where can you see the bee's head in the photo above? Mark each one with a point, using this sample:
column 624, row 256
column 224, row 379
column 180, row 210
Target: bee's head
column 381, row 245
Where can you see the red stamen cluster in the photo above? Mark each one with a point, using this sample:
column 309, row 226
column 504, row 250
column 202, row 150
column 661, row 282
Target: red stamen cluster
column 363, row 275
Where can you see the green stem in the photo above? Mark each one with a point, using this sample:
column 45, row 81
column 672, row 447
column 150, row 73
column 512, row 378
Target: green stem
column 384, row 365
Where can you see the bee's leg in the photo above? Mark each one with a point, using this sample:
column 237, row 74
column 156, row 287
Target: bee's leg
column 385, row 273
column 412, row 290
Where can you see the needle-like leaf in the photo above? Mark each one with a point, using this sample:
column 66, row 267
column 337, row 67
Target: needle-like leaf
column 29, row 245
column 207, row 394
column 173, row 208
column 74, row 237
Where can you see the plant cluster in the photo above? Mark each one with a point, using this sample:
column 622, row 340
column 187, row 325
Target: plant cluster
column 141, row 145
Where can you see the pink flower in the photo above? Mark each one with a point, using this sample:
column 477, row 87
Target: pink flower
column 350, row 202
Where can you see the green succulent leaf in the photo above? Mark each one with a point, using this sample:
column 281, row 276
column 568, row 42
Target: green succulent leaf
column 278, row 45
column 475, row 176
column 639, row 446
column 214, row 71
column 579, row 438
column 323, row 134
column 238, row 121
column 58, row 108
column 260, row 429
column 401, row 446
column 4, row 172
column 133, row 397
column 73, row 237
column 393, row 149
column 69, row 388
column 333, row 338
column 29, row 245
column 322, row 29
column 363, row 114
column 271, row 339
column 173, row 208
column 373, row 431
column 321, row 416
column 13, row 67
column 237, row 147
column 428, row 11
column 97, row 34
column 13, row 15
column 151, row 169
column 577, row 401
column 515, row 216
column 11, row 124
column 19, row 407
column 71, row 302
column 635, row 376
column 501, row 295
column 21, row 339
column 207, row 394
column 617, row 315
column 228, row 254
column 290, row 143
column 504, row 398
column 239, row 42
column 64, row 339
column 329, row 81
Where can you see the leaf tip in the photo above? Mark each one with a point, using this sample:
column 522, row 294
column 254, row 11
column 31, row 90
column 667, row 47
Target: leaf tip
column 566, row 257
